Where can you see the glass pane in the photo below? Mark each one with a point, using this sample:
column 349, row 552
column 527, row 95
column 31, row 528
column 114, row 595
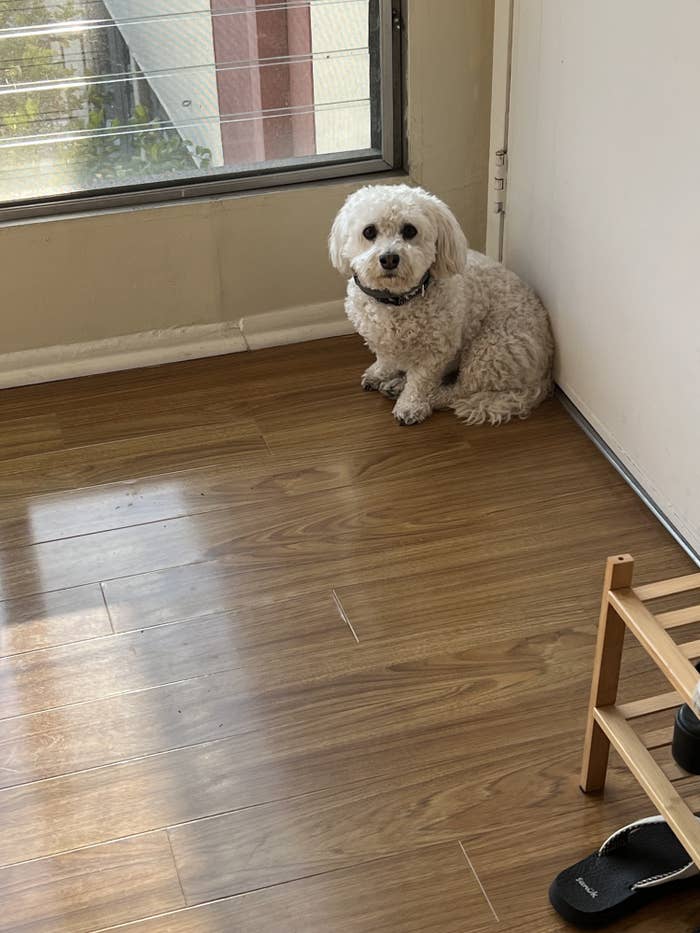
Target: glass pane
column 98, row 94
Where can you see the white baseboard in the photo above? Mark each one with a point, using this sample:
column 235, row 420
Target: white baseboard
column 294, row 325
column 152, row 348
column 133, row 351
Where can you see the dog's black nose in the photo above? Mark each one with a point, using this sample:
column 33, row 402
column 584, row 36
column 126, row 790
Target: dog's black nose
column 389, row 260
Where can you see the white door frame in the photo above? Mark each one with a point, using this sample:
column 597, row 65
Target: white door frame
column 500, row 96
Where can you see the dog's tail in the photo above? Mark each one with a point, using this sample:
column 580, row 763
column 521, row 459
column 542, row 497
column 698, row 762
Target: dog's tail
column 498, row 407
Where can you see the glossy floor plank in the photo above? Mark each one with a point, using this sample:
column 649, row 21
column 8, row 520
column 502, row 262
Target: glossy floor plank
column 164, row 654
column 331, row 662
column 514, row 594
column 22, row 437
column 72, row 513
column 319, row 832
column 33, row 519
column 125, row 459
column 129, row 416
column 55, row 618
column 345, row 518
column 252, row 572
column 89, row 888
column 375, row 725
column 429, row 891
column 309, row 690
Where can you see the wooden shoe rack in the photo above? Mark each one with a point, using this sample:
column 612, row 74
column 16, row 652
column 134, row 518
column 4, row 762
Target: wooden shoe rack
column 623, row 607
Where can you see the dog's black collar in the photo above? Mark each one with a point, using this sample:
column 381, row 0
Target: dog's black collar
column 385, row 297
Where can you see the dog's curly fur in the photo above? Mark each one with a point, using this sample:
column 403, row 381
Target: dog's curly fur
column 477, row 341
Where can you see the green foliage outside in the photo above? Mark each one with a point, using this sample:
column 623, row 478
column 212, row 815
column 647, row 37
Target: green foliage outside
column 32, row 58
column 137, row 156
column 97, row 154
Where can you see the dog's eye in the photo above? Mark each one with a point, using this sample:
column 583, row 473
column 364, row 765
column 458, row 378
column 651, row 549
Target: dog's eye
column 370, row 233
column 408, row 232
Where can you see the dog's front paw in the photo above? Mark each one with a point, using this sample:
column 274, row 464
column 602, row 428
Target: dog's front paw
column 411, row 412
column 394, row 386
column 370, row 382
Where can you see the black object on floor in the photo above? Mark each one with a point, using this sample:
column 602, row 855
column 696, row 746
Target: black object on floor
column 638, row 863
column 685, row 747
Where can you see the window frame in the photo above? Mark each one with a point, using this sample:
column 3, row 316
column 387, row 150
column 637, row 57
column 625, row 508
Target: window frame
column 391, row 158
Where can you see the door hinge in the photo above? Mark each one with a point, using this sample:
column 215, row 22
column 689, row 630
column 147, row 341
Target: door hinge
column 499, row 181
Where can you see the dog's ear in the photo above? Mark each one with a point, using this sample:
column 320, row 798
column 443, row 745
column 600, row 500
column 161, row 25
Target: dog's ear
column 451, row 247
column 336, row 242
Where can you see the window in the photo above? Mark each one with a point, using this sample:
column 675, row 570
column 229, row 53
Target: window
column 105, row 102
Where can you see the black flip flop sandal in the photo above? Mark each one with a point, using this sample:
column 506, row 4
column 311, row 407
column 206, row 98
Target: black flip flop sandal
column 636, row 864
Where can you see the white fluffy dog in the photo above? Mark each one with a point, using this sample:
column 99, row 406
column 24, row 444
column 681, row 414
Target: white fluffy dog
column 449, row 327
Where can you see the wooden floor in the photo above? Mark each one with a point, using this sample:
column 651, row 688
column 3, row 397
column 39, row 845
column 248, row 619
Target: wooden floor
column 259, row 640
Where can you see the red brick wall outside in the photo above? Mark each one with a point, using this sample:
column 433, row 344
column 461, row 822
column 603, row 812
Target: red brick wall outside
column 253, row 37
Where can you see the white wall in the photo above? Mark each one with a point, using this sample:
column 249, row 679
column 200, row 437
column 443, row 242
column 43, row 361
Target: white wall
column 602, row 218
